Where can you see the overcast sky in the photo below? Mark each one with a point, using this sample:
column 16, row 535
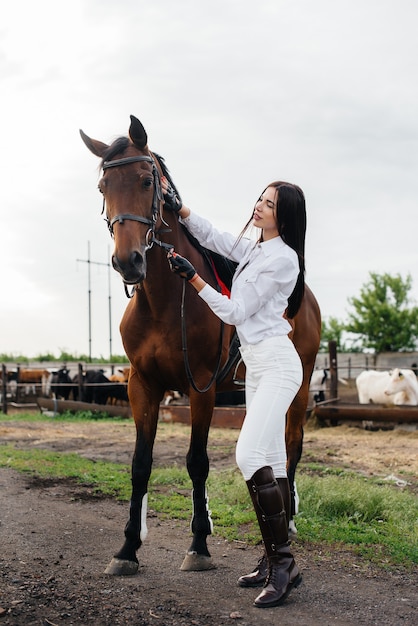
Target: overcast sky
column 234, row 94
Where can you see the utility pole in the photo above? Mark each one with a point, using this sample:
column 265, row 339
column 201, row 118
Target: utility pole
column 89, row 264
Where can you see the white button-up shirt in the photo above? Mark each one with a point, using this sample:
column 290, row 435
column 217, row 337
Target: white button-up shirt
column 264, row 279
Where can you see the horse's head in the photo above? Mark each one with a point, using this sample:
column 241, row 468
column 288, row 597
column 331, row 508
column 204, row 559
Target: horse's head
column 132, row 198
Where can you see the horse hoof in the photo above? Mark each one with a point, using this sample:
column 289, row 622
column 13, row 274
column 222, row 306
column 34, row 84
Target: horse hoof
column 117, row 567
column 194, row 562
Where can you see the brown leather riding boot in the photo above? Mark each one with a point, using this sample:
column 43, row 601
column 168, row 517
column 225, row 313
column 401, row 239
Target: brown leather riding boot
column 269, row 507
column 258, row 576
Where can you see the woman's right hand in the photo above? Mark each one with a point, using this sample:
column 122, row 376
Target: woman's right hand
column 172, row 201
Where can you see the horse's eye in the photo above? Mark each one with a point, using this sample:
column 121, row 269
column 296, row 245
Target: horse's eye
column 147, row 182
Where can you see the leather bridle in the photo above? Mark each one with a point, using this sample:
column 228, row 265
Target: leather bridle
column 150, row 237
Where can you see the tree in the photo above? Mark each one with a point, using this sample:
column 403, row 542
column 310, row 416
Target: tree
column 332, row 330
column 383, row 316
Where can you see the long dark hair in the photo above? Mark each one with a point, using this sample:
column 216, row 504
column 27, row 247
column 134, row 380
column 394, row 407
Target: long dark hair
column 291, row 224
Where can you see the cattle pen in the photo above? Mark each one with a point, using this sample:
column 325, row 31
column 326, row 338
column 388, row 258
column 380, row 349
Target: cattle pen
column 335, row 409
column 341, row 405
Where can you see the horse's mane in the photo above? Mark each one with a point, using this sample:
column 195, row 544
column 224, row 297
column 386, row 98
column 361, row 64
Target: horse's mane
column 166, row 172
column 117, row 147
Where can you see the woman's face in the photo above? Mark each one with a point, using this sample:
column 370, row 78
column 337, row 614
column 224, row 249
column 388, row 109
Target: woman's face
column 264, row 215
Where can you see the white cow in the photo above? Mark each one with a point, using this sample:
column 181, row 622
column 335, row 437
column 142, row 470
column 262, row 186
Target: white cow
column 403, row 387
column 396, row 387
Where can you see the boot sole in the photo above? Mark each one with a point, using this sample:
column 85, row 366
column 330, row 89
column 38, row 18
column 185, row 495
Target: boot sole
column 251, row 585
column 293, row 585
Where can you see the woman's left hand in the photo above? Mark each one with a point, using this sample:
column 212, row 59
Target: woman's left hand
column 181, row 266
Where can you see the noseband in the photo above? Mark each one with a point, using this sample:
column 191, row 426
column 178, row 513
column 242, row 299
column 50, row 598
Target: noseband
column 156, row 201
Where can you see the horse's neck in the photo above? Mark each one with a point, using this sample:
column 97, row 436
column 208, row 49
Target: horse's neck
column 161, row 284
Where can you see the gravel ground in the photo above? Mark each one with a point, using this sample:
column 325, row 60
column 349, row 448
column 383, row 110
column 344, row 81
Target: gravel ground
column 57, row 537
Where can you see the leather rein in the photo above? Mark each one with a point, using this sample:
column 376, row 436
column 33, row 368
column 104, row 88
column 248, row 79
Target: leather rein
column 150, row 240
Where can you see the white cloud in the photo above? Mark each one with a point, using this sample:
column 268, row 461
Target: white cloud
column 233, row 94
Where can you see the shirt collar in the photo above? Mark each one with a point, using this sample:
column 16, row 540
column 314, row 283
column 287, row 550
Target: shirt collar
column 270, row 246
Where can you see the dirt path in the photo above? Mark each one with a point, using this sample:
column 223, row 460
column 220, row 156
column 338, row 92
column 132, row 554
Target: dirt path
column 57, row 538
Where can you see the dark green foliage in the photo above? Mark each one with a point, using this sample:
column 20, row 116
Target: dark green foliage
column 383, row 316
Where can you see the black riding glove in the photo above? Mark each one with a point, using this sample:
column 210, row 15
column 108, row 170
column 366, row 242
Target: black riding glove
column 180, row 265
column 172, row 200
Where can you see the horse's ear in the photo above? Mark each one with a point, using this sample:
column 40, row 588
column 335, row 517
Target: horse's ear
column 97, row 147
column 137, row 133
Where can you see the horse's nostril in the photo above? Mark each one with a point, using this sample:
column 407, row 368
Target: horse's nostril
column 136, row 259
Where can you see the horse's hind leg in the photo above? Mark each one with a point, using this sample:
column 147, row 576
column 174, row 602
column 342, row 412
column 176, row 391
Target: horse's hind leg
column 296, row 416
column 198, row 557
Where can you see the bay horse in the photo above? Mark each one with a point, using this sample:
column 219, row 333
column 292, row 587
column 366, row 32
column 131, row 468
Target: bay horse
column 171, row 337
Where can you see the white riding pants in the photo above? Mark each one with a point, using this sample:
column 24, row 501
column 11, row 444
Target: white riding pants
column 273, row 377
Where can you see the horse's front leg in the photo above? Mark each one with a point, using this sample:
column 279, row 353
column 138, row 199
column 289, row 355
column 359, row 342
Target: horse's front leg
column 198, row 557
column 145, row 412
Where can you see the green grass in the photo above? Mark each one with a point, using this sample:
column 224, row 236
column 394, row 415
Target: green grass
column 377, row 520
column 110, row 479
column 338, row 508
column 66, row 416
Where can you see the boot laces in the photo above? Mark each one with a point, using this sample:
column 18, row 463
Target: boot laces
column 261, row 563
column 276, row 575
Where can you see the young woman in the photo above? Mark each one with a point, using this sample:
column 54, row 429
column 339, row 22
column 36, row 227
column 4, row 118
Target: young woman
column 268, row 282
